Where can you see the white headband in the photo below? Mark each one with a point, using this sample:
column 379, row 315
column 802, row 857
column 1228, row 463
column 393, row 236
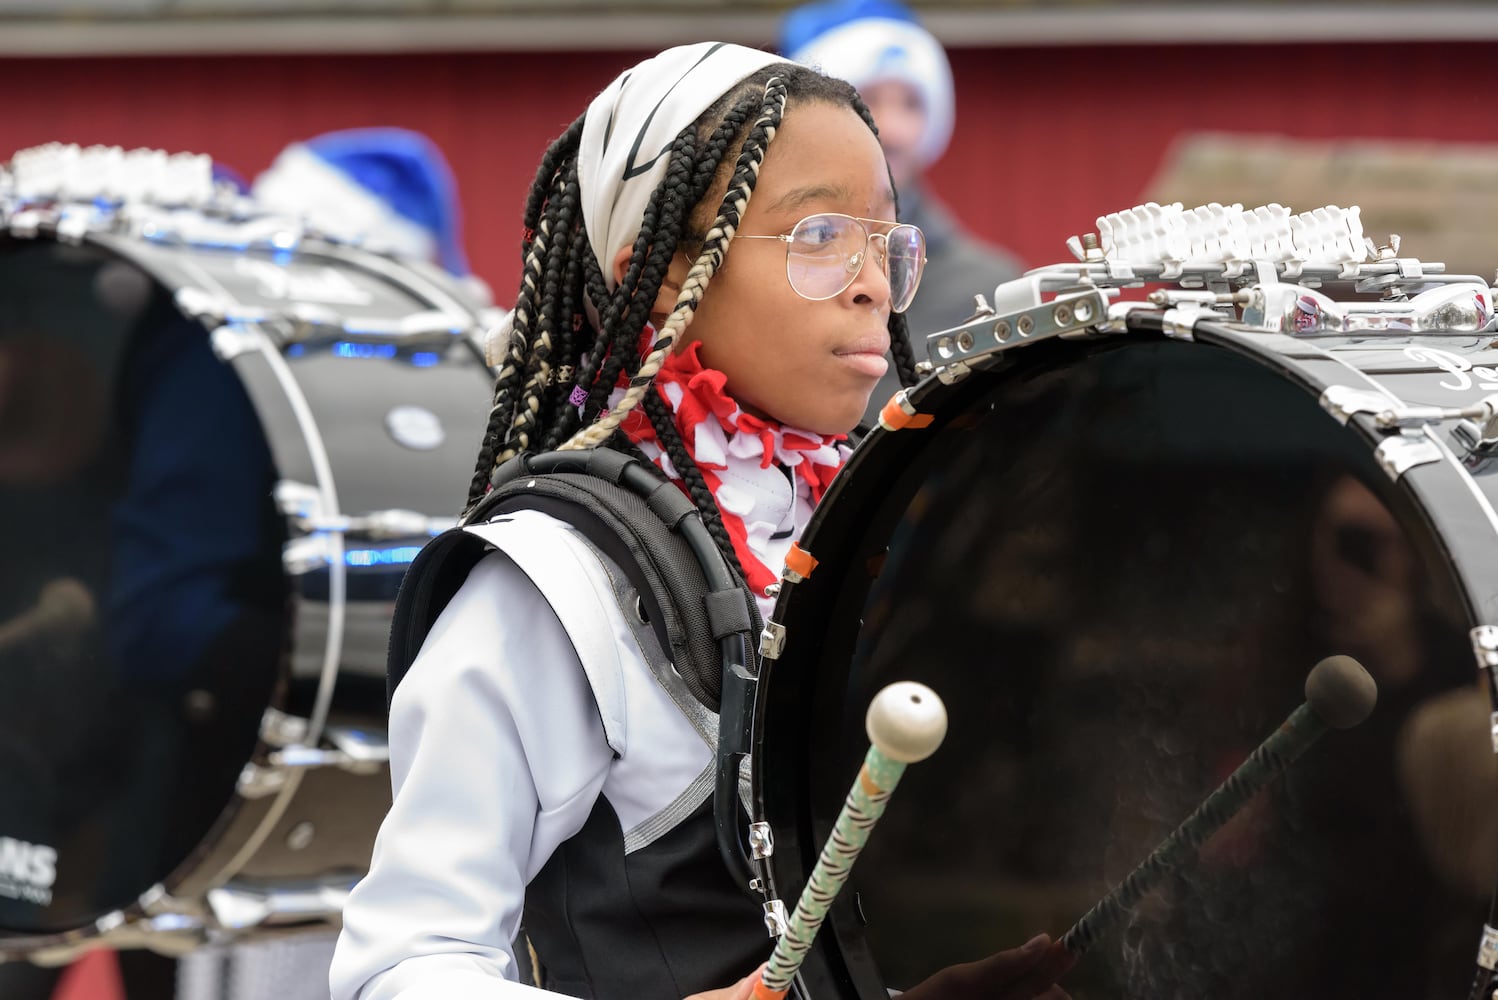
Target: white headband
column 872, row 49
column 627, row 136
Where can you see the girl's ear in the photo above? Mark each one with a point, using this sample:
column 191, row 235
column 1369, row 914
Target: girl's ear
column 665, row 299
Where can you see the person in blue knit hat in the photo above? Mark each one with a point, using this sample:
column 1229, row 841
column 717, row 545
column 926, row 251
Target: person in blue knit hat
column 389, row 189
column 902, row 74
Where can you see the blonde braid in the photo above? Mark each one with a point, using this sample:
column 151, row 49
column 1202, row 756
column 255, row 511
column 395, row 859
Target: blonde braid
column 519, row 343
column 715, row 247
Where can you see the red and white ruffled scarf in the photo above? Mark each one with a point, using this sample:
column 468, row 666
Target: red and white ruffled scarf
column 738, row 454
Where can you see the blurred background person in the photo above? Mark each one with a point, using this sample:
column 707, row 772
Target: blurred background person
column 389, row 188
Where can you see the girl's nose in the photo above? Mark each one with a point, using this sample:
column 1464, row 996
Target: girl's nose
column 872, row 283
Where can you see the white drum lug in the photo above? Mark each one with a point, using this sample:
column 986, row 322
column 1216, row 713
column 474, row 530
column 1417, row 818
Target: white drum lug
column 308, row 554
column 157, row 902
column 256, row 781
column 772, row 641
column 776, row 919
column 1343, row 401
column 952, row 374
column 761, row 841
column 206, row 308
column 1398, row 455
column 1485, row 645
column 366, row 749
column 1180, row 323
column 25, row 225
column 239, row 907
column 1485, row 648
column 279, row 729
column 229, row 342
column 366, row 758
column 1487, row 949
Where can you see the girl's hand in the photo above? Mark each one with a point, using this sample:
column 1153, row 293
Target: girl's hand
column 738, row 991
column 1028, row 972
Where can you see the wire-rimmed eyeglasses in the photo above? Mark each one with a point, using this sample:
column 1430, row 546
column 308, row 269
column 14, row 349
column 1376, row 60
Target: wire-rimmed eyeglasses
column 824, row 253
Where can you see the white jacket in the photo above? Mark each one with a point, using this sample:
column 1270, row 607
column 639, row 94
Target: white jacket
column 501, row 741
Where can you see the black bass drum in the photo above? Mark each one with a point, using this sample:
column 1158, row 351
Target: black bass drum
column 221, row 442
column 1116, row 556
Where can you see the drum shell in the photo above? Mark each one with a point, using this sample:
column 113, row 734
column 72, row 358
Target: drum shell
column 1050, row 395
column 359, row 380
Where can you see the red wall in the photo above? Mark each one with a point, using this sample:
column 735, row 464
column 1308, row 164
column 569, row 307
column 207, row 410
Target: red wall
column 1047, row 139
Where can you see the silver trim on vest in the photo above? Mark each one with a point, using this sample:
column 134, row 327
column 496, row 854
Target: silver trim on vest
column 669, row 818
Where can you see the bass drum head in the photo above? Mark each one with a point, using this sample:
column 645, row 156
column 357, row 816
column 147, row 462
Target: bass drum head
column 143, row 608
column 1116, row 562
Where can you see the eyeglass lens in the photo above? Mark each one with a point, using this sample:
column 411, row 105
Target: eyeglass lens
column 826, row 252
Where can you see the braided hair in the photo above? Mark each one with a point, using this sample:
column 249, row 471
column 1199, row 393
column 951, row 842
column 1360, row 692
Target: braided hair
column 571, row 339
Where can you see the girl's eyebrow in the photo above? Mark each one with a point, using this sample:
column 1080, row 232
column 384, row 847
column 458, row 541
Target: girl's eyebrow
column 797, row 197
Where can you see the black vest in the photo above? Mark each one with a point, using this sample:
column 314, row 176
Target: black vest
column 662, row 922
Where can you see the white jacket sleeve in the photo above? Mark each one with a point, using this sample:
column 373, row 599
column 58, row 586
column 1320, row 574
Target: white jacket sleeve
column 498, row 755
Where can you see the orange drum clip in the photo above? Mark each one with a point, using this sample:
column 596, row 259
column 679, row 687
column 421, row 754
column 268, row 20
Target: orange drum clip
column 798, row 563
column 899, row 414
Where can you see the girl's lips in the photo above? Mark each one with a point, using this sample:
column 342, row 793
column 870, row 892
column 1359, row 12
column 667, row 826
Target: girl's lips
column 870, row 363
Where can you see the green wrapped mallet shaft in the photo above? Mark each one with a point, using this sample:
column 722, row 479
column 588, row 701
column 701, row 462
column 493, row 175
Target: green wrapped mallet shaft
column 906, row 723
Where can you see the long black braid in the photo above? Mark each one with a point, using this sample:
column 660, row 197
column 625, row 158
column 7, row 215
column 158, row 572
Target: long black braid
column 571, row 338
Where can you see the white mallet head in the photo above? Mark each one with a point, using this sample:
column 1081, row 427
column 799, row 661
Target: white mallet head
column 906, row 721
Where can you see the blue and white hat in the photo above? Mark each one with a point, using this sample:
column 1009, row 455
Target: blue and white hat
column 868, row 41
column 388, row 188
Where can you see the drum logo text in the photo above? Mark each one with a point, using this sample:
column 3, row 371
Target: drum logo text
column 1460, row 369
column 27, row 871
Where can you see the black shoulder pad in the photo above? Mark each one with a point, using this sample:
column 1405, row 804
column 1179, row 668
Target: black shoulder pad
column 432, row 579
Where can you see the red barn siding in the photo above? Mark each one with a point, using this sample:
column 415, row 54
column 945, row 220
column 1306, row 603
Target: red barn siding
column 1047, row 138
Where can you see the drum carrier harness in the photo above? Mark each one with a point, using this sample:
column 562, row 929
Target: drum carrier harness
column 695, row 603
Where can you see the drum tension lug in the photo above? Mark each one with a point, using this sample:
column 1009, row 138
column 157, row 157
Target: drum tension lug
column 1180, row 322
column 776, row 919
column 1485, row 648
column 761, row 841
column 772, row 641
column 1487, row 948
column 953, row 373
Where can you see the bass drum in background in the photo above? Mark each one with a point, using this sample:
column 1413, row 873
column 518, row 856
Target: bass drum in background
column 1116, row 559
column 217, row 458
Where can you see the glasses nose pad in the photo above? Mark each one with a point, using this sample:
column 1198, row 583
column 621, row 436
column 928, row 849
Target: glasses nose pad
column 854, row 263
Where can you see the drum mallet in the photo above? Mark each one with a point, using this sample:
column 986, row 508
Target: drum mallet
column 906, row 723
column 1339, row 695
